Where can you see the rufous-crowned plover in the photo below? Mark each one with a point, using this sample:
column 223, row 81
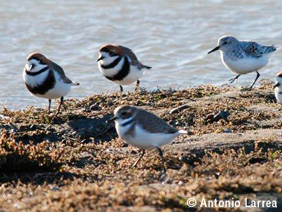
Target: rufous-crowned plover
column 120, row 65
column 44, row 78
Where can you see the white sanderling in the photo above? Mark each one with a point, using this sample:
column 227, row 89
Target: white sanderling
column 243, row 57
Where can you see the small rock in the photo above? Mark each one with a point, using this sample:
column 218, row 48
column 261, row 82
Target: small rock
column 227, row 130
column 223, row 114
column 15, row 128
column 55, row 188
column 257, row 160
column 3, row 117
column 217, row 174
column 110, row 103
column 34, row 127
column 133, row 152
column 180, row 183
column 189, row 160
column 125, row 145
column 95, row 106
column 178, row 109
column 163, row 178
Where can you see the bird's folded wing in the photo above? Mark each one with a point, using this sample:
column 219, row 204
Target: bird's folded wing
column 133, row 59
column 153, row 123
column 61, row 72
column 256, row 50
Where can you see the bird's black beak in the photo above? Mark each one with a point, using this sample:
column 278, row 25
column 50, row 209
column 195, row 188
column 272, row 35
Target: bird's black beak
column 215, row 49
column 111, row 120
column 100, row 58
column 276, row 85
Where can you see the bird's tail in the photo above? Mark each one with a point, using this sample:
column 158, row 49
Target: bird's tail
column 182, row 132
column 75, row 83
column 272, row 48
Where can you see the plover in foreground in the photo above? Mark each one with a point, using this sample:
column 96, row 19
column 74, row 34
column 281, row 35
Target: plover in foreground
column 44, row 78
column 120, row 65
column 278, row 87
column 143, row 130
column 243, row 57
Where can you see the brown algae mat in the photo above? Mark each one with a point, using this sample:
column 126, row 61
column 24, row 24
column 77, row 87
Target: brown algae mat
column 76, row 162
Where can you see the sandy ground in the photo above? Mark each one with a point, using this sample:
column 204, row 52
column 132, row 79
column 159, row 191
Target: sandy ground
column 75, row 162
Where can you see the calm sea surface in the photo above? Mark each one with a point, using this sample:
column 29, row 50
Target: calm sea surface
column 171, row 36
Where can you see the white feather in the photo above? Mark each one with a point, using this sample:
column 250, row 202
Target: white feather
column 35, row 80
column 244, row 65
column 134, row 72
column 133, row 76
column 278, row 90
column 60, row 89
column 107, row 58
column 120, row 129
column 112, row 71
column 36, row 65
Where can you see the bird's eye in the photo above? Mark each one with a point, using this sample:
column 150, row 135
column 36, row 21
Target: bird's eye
column 123, row 114
column 111, row 53
column 225, row 42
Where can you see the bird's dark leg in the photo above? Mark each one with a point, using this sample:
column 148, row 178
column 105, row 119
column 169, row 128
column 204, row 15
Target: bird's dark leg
column 121, row 88
column 60, row 105
column 136, row 162
column 137, row 85
column 63, row 103
column 49, row 108
column 254, row 81
column 235, row 78
column 161, row 155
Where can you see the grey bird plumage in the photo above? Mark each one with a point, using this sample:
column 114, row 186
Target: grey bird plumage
column 143, row 129
column 243, row 57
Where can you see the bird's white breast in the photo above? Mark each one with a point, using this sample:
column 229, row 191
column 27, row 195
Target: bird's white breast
column 144, row 139
column 36, row 80
column 278, row 95
column 122, row 130
column 60, row 89
column 111, row 71
column 244, row 65
column 133, row 75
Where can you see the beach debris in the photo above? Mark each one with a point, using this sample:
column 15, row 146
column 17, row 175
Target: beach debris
column 223, row 114
column 178, row 109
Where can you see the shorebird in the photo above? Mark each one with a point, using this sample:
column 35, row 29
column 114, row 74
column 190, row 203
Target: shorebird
column 120, row 65
column 44, row 78
column 278, row 87
column 243, row 57
column 143, row 130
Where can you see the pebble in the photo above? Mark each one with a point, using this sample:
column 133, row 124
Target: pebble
column 227, row 130
column 95, row 106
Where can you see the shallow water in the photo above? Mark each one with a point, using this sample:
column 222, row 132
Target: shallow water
column 171, row 36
